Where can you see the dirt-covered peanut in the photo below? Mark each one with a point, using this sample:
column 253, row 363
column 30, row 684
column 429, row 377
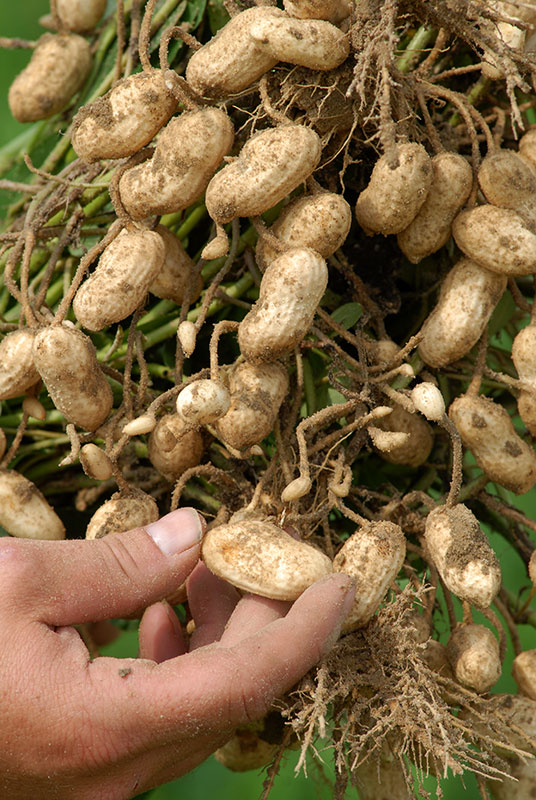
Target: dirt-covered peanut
column 526, row 405
column 257, row 391
column 175, row 275
column 497, row 239
column 462, row 555
column 394, row 196
column 373, row 556
column 232, row 60
column 468, row 296
column 524, row 673
column 58, row 68
column 66, row 359
column 333, row 10
column 124, row 511
column 508, row 182
column 290, row 291
column 429, row 401
column 527, row 148
column 473, row 653
column 319, row 221
column 3, row 443
column 487, row 431
column 381, row 779
column 524, row 358
column 122, row 278
column 187, row 154
column 173, row 448
column 260, row 557
column 80, row 15
column 246, row 750
column 452, row 178
column 24, row 512
column 270, row 165
column 203, row 402
column 416, row 446
column 187, row 336
column 95, row 462
column 125, row 119
column 311, row 43
column 17, row 368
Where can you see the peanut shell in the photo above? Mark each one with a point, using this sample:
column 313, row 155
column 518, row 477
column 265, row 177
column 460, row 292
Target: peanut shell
column 17, row 368
column 314, row 44
column 24, row 512
column 473, row 653
column 413, row 450
column 80, row 15
column 176, row 273
column 122, row 512
column 172, row 448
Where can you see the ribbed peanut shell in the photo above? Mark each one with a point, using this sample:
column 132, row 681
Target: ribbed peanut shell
column 314, row 44
column 508, row 182
column 203, row 401
column 394, row 197
column 257, row 391
column 80, row 15
column 262, row 558
column 122, row 278
column 270, row 165
column 416, row 449
column 373, row 556
column 24, row 512
column 497, row 239
column 462, row 555
column 486, row 429
column 188, row 152
column 524, row 672
column 125, row 119
column 231, row 61
column 290, row 291
column 176, row 272
column 473, row 653
column 467, row 299
column 58, row 68
column 333, row 10
column 319, row 221
column 171, row 450
column 524, row 353
column 122, row 512
column 452, row 179
column 67, row 362
column 17, row 368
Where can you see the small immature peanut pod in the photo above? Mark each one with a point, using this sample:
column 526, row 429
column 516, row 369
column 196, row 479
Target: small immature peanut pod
column 290, row 291
column 173, row 448
column 473, row 653
column 80, row 15
column 95, row 462
column 122, row 278
column 507, row 182
column 270, row 165
column 524, row 673
column 394, row 197
column 58, row 68
column 486, row 429
column 17, row 368
column 296, row 489
column 187, row 336
column 142, row 424
column 429, row 401
column 125, row 119
column 413, row 450
column 257, row 391
column 232, row 60
column 497, row 239
column 462, row 555
column 188, row 152
column 385, row 441
column 333, row 10
column 431, row 229
column 34, row 408
column 175, row 274
column 319, row 221
column 262, row 558
column 122, row 512
column 468, row 296
column 67, row 362
column 373, row 556
column 203, row 402
column 314, row 44
column 24, row 512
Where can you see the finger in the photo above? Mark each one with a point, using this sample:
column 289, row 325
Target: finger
column 160, row 634
column 211, row 601
column 251, row 614
column 87, row 581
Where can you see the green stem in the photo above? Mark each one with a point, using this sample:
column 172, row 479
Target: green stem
column 411, row 55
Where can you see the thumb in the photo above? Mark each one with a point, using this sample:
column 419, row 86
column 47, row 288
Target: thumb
column 116, row 576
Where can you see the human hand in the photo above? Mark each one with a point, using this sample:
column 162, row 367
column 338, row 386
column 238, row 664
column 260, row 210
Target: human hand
column 109, row 729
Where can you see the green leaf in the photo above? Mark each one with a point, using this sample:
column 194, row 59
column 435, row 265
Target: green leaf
column 347, row 315
column 217, row 15
column 503, row 313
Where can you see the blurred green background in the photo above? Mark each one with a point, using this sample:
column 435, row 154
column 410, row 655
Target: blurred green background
column 211, row 779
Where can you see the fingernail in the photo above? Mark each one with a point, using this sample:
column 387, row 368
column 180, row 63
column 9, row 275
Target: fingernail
column 178, row 531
